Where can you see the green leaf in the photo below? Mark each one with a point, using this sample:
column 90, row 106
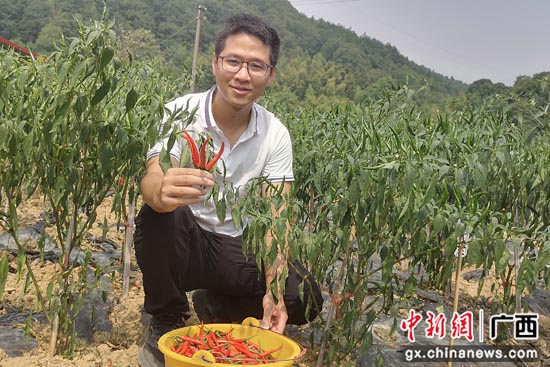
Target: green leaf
column 28, row 146
column 105, row 157
column 165, row 160
column 131, row 100
column 92, row 36
column 450, row 246
column 49, row 290
column 105, row 226
column 502, row 255
column 354, row 191
column 379, row 359
column 236, row 214
column 501, row 157
column 106, row 56
column 3, row 133
column 410, row 285
column 80, row 105
column 438, row 223
column 3, row 274
column 384, row 253
column 221, row 209
column 101, row 92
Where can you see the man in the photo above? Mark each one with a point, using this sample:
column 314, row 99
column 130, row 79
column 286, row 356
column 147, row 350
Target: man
column 181, row 245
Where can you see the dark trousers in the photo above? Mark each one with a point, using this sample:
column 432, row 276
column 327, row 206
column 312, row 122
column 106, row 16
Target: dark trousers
column 176, row 255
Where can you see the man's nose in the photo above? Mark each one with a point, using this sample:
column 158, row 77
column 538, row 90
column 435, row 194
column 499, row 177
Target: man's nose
column 243, row 72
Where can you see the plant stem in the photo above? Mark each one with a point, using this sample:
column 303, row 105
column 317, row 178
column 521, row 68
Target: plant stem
column 68, row 239
column 13, row 230
column 332, row 307
column 311, row 209
column 66, row 259
column 516, row 264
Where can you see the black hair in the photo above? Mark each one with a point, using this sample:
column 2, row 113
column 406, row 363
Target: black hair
column 254, row 26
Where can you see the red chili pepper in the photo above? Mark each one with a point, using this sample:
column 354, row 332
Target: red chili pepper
column 199, row 158
column 201, row 331
column 190, row 351
column 193, row 147
column 244, row 350
column 212, row 341
column 189, row 339
column 270, row 352
column 202, row 155
column 182, row 348
column 211, row 164
column 224, row 347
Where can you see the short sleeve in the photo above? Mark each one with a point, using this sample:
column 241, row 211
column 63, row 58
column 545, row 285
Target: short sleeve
column 279, row 166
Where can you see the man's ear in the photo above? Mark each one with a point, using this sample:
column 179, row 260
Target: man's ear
column 273, row 71
column 214, row 64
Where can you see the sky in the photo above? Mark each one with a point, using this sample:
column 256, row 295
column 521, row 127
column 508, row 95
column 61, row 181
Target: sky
column 464, row 39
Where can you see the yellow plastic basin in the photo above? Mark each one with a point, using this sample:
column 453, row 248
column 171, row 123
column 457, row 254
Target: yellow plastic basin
column 265, row 338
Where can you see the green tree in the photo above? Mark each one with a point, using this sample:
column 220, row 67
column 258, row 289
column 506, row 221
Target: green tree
column 141, row 44
column 48, row 35
column 12, row 13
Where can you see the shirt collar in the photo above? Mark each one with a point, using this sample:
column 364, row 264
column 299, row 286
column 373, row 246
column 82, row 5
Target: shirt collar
column 208, row 117
column 209, row 122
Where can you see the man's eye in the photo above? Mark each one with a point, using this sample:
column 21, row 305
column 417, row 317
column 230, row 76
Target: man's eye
column 233, row 62
column 257, row 66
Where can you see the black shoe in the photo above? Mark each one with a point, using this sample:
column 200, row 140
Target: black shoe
column 150, row 355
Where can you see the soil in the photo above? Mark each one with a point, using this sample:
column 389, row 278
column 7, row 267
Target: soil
column 119, row 347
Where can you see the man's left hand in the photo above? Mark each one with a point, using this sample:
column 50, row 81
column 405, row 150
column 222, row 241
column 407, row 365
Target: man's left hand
column 275, row 315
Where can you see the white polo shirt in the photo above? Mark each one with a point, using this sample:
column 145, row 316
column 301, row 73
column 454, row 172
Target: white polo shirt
column 263, row 150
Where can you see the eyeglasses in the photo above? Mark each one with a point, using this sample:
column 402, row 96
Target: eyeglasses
column 255, row 68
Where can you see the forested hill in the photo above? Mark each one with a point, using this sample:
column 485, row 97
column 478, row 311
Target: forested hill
column 321, row 64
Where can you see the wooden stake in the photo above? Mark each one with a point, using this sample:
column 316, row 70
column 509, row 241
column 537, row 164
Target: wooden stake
column 196, row 51
column 128, row 249
column 455, row 293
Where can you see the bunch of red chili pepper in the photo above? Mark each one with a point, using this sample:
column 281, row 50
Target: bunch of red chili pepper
column 224, row 347
column 199, row 157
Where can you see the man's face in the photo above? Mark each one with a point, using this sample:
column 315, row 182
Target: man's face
column 239, row 89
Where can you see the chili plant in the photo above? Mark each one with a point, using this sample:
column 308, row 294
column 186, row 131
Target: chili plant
column 404, row 188
column 18, row 85
column 95, row 118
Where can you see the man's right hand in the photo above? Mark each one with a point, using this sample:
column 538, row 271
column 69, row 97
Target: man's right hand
column 178, row 187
